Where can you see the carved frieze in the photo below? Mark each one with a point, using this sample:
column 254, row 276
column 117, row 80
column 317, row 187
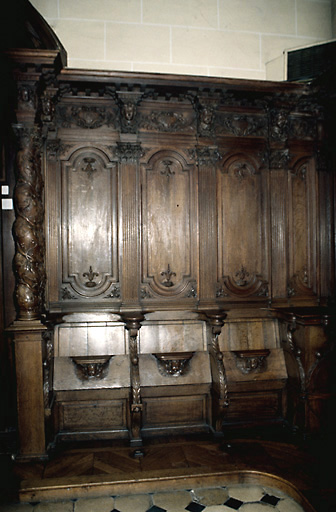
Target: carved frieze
column 85, row 116
column 302, row 127
column 167, row 121
column 241, row 125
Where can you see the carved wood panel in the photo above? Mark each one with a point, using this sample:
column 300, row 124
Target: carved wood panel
column 169, row 233
column 243, row 260
column 89, row 224
column 302, row 230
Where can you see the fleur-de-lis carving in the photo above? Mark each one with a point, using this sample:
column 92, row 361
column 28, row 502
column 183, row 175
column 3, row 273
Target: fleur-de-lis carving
column 168, row 274
column 167, row 171
column 242, row 277
column 90, row 275
column 89, row 169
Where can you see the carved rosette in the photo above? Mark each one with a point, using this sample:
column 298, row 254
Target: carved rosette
column 28, row 227
column 85, row 116
column 241, row 125
column 167, row 121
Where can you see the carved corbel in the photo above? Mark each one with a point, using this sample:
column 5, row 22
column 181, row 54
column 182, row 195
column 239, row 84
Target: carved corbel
column 174, row 364
column 291, row 328
column 251, row 361
column 221, row 400
column 133, row 325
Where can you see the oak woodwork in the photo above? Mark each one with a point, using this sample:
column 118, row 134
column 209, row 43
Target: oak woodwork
column 139, row 194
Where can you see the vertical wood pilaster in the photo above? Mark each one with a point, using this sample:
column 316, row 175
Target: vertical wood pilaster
column 206, row 159
column 129, row 155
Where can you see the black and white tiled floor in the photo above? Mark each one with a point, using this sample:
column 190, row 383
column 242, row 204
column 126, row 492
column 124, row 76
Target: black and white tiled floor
column 244, row 498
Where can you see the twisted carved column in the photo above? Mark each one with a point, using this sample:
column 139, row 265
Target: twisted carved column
column 28, row 227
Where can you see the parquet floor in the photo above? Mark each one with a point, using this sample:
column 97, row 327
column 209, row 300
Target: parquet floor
column 104, row 469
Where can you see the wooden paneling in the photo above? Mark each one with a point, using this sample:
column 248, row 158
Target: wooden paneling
column 92, row 416
column 89, row 223
column 165, row 195
column 175, row 412
column 303, row 263
column 169, row 226
column 243, row 260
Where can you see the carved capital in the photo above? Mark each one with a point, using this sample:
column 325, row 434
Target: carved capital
column 128, row 152
column 278, row 158
column 205, row 155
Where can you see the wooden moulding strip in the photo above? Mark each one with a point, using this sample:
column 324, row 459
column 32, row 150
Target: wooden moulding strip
column 97, row 486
